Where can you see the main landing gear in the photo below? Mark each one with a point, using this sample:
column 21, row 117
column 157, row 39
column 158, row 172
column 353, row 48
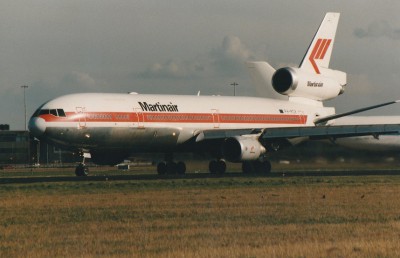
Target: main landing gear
column 217, row 166
column 171, row 168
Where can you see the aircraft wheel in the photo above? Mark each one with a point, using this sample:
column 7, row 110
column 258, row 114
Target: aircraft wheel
column 162, row 168
column 171, row 168
column 221, row 166
column 267, row 167
column 213, row 167
column 81, row 170
column 247, row 167
column 217, row 166
column 181, row 168
column 262, row 167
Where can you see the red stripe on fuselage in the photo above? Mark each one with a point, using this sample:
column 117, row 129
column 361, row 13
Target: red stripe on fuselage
column 155, row 117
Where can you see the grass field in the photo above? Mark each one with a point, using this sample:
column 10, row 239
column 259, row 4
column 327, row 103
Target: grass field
column 233, row 216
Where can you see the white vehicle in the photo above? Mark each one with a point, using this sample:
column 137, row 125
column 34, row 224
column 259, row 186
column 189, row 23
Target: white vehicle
column 239, row 129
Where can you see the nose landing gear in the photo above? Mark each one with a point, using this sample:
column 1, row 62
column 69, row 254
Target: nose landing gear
column 82, row 169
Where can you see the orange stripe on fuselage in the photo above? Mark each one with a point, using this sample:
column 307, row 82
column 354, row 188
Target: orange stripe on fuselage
column 156, row 117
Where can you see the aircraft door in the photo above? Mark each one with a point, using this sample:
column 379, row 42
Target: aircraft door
column 139, row 118
column 303, row 117
column 215, row 115
column 81, row 112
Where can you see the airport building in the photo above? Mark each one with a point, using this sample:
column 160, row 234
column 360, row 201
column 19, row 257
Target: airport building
column 15, row 146
column 21, row 148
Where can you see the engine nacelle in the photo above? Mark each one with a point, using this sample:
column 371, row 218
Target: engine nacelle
column 242, row 148
column 295, row 82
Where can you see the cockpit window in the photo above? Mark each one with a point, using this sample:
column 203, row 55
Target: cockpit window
column 55, row 112
column 44, row 112
column 61, row 112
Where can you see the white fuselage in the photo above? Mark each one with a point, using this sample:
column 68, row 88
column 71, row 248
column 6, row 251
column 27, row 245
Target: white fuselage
column 159, row 122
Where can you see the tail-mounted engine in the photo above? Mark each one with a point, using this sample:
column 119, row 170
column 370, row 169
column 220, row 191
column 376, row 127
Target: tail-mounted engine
column 242, row 148
column 295, row 82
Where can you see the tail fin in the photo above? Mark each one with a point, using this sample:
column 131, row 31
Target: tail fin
column 319, row 52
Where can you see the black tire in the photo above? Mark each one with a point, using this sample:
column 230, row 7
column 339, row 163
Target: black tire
column 162, row 168
column 181, row 168
column 171, row 168
column 267, row 167
column 221, row 166
column 213, row 167
column 81, row 170
column 247, row 167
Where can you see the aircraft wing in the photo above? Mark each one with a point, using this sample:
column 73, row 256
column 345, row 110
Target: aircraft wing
column 312, row 132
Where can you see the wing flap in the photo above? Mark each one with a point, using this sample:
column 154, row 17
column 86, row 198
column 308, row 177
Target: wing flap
column 224, row 133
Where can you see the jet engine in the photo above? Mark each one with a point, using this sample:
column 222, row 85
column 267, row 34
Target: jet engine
column 242, row 148
column 295, row 82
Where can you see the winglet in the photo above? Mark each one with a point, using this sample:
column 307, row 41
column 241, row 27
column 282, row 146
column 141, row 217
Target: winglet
column 319, row 52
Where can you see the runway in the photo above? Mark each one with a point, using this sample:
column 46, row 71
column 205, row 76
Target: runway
column 145, row 176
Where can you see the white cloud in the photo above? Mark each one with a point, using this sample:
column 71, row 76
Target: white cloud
column 378, row 29
column 229, row 58
column 173, row 69
column 80, row 80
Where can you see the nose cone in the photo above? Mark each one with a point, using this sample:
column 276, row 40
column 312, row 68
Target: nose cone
column 37, row 126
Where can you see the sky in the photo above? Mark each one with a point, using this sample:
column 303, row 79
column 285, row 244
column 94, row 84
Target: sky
column 57, row 47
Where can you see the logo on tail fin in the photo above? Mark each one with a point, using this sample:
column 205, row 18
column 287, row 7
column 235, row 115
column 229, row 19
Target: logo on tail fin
column 318, row 52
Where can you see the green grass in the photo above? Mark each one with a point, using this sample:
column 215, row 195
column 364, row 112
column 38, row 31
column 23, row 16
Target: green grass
column 232, row 216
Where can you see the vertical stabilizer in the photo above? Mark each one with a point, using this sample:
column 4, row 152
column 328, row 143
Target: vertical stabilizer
column 319, row 52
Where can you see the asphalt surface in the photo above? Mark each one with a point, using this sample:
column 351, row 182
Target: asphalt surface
column 127, row 177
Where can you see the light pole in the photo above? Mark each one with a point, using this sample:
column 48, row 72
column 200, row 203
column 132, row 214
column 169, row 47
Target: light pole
column 24, row 87
column 234, row 84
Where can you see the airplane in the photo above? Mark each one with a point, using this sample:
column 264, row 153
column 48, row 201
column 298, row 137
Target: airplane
column 108, row 127
column 388, row 143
